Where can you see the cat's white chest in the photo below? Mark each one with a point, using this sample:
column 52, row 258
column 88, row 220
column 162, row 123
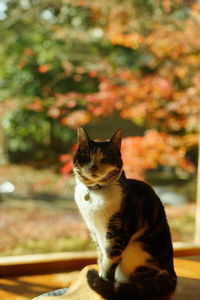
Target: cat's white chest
column 98, row 209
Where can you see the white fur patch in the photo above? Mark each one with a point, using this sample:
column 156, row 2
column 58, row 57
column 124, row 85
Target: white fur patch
column 102, row 204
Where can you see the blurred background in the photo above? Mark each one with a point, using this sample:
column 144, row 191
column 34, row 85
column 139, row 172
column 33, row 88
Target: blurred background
column 104, row 65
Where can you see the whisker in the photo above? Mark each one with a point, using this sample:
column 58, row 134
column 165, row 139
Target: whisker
column 69, row 187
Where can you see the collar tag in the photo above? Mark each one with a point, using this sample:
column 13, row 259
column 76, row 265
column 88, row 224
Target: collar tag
column 92, row 188
column 87, row 195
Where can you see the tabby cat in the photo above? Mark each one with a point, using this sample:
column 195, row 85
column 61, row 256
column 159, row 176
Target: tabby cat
column 127, row 222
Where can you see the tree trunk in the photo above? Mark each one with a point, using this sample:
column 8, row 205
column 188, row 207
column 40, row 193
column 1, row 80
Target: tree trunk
column 3, row 157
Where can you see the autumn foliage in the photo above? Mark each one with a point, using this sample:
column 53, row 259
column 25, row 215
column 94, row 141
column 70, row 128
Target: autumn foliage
column 92, row 59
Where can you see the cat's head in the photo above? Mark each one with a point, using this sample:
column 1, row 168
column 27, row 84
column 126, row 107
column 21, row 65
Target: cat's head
column 97, row 163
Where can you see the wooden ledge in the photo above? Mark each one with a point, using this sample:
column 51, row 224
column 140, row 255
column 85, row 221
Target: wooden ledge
column 186, row 249
column 45, row 263
column 67, row 261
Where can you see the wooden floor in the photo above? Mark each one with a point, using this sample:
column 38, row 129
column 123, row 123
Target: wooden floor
column 27, row 287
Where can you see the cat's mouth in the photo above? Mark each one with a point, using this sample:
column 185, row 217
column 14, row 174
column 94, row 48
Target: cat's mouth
column 94, row 174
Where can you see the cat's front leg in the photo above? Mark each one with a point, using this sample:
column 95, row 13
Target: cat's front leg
column 107, row 268
column 108, row 264
column 103, row 261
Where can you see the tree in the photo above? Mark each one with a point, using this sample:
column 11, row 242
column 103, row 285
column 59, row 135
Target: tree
column 70, row 62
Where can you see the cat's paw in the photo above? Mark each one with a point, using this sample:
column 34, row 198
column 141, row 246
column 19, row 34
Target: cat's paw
column 107, row 276
column 100, row 286
column 93, row 278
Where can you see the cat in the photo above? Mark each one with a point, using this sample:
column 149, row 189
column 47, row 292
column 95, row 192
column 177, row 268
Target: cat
column 127, row 221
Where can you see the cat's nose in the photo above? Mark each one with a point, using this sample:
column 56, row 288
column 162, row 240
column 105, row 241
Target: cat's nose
column 94, row 168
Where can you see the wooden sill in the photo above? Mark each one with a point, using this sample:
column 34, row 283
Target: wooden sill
column 186, row 249
column 45, row 263
column 67, row 261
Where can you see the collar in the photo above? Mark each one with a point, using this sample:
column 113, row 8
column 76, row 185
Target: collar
column 94, row 187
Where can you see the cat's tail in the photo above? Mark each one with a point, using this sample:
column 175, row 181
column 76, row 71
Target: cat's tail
column 139, row 288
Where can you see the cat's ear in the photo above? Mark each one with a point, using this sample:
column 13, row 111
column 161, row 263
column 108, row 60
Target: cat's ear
column 115, row 140
column 82, row 137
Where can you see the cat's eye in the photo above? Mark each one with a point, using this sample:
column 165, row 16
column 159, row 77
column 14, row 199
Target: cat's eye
column 83, row 158
column 105, row 160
